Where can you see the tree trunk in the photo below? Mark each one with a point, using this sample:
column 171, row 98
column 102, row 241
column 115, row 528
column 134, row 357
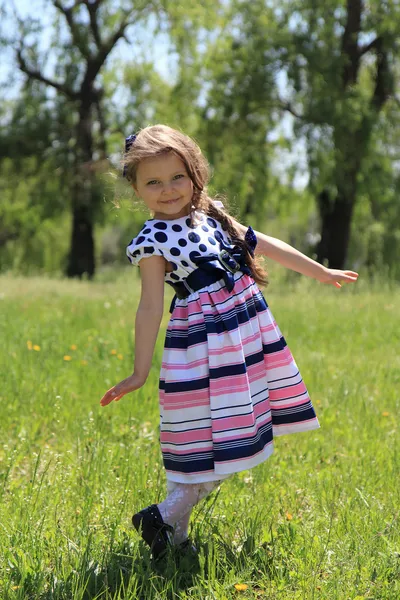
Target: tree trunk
column 335, row 230
column 81, row 257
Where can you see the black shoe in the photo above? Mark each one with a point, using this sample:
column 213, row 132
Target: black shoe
column 157, row 534
column 187, row 547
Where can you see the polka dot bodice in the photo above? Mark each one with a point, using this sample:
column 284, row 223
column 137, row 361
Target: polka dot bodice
column 178, row 242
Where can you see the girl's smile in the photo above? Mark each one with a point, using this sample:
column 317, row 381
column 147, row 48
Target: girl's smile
column 164, row 185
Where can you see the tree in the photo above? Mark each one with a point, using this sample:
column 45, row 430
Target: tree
column 239, row 69
column 94, row 28
column 340, row 61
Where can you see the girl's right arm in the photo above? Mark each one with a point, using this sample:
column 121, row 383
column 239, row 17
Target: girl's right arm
column 147, row 325
column 149, row 313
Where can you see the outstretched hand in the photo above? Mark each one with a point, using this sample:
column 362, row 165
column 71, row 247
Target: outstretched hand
column 336, row 277
column 130, row 384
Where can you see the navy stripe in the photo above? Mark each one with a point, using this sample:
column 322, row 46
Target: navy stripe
column 274, row 346
column 228, row 371
column 256, row 444
column 193, row 465
column 288, row 418
column 187, row 386
column 254, row 359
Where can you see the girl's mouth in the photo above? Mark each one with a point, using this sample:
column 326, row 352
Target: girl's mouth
column 170, row 201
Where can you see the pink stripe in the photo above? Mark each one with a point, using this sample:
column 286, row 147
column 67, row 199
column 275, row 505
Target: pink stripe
column 184, row 367
column 239, row 422
column 190, row 437
column 184, row 452
column 295, row 390
column 234, row 381
column 288, row 404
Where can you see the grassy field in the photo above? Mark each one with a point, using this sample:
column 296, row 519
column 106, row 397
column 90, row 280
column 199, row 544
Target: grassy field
column 319, row 520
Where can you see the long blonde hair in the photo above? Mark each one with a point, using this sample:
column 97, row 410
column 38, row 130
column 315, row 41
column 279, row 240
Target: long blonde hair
column 160, row 139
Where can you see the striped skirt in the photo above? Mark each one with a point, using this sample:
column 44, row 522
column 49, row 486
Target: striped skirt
column 228, row 384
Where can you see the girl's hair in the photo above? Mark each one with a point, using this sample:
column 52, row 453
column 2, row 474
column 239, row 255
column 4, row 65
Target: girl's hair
column 160, row 139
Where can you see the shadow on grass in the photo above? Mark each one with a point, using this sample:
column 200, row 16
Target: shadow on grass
column 127, row 571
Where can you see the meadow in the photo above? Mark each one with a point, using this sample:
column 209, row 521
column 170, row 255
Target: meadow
column 318, row 520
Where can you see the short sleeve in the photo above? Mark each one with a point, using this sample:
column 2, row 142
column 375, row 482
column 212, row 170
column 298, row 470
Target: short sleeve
column 218, row 204
column 142, row 247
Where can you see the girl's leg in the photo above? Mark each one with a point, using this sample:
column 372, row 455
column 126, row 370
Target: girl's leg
column 181, row 529
column 182, row 497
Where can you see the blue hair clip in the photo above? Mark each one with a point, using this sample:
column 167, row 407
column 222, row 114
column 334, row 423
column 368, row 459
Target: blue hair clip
column 128, row 145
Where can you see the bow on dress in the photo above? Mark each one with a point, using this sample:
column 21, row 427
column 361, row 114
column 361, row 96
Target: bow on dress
column 228, row 260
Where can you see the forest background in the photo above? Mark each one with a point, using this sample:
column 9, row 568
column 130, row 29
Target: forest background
column 295, row 103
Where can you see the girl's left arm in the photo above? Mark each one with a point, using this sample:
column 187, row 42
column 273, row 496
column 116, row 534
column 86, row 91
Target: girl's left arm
column 291, row 258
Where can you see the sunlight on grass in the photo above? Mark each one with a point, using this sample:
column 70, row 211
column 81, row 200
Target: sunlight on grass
column 317, row 520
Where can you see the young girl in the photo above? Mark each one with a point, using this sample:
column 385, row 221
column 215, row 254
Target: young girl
column 228, row 381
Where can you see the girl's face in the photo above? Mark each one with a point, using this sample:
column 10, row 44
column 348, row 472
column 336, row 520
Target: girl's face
column 164, row 185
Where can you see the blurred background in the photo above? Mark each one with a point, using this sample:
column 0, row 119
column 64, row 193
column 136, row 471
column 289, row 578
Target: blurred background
column 295, row 103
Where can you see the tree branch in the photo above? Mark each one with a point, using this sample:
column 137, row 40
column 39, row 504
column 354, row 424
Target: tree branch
column 383, row 80
column 35, row 74
column 350, row 50
column 94, row 65
column 92, row 8
column 75, row 33
column 367, row 47
column 285, row 105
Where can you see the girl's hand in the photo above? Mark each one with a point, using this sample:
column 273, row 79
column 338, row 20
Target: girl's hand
column 130, row 384
column 335, row 276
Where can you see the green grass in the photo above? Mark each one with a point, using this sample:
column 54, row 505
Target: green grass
column 320, row 519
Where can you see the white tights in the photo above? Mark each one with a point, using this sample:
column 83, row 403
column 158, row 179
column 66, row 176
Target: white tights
column 177, row 507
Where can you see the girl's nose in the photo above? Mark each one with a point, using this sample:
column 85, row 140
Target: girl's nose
column 168, row 187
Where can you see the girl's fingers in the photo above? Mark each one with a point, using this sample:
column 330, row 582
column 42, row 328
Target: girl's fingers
column 110, row 396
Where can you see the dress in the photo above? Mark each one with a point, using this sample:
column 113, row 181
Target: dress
column 228, row 381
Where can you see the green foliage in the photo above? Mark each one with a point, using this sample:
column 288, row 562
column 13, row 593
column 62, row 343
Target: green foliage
column 224, row 87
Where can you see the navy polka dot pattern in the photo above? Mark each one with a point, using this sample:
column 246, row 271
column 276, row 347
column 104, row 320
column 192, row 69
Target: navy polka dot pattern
column 179, row 241
column 161, row 237
column 194, row 237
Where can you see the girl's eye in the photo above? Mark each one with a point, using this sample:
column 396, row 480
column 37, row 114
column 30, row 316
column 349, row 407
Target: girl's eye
column 178, row 176
column 152, row 182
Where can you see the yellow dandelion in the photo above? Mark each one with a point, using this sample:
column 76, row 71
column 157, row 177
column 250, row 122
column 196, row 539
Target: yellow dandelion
column 113, row 351
column 15, row 587
column 84, row 362
column 385, row 414
column 73, row 347
column 289, row 517
column 66, row 357
column 241, row 587
column 29, row 345
column 120, row 356
column 36, row 347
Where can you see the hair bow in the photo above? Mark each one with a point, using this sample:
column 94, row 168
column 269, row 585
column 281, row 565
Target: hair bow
column 128, row 145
